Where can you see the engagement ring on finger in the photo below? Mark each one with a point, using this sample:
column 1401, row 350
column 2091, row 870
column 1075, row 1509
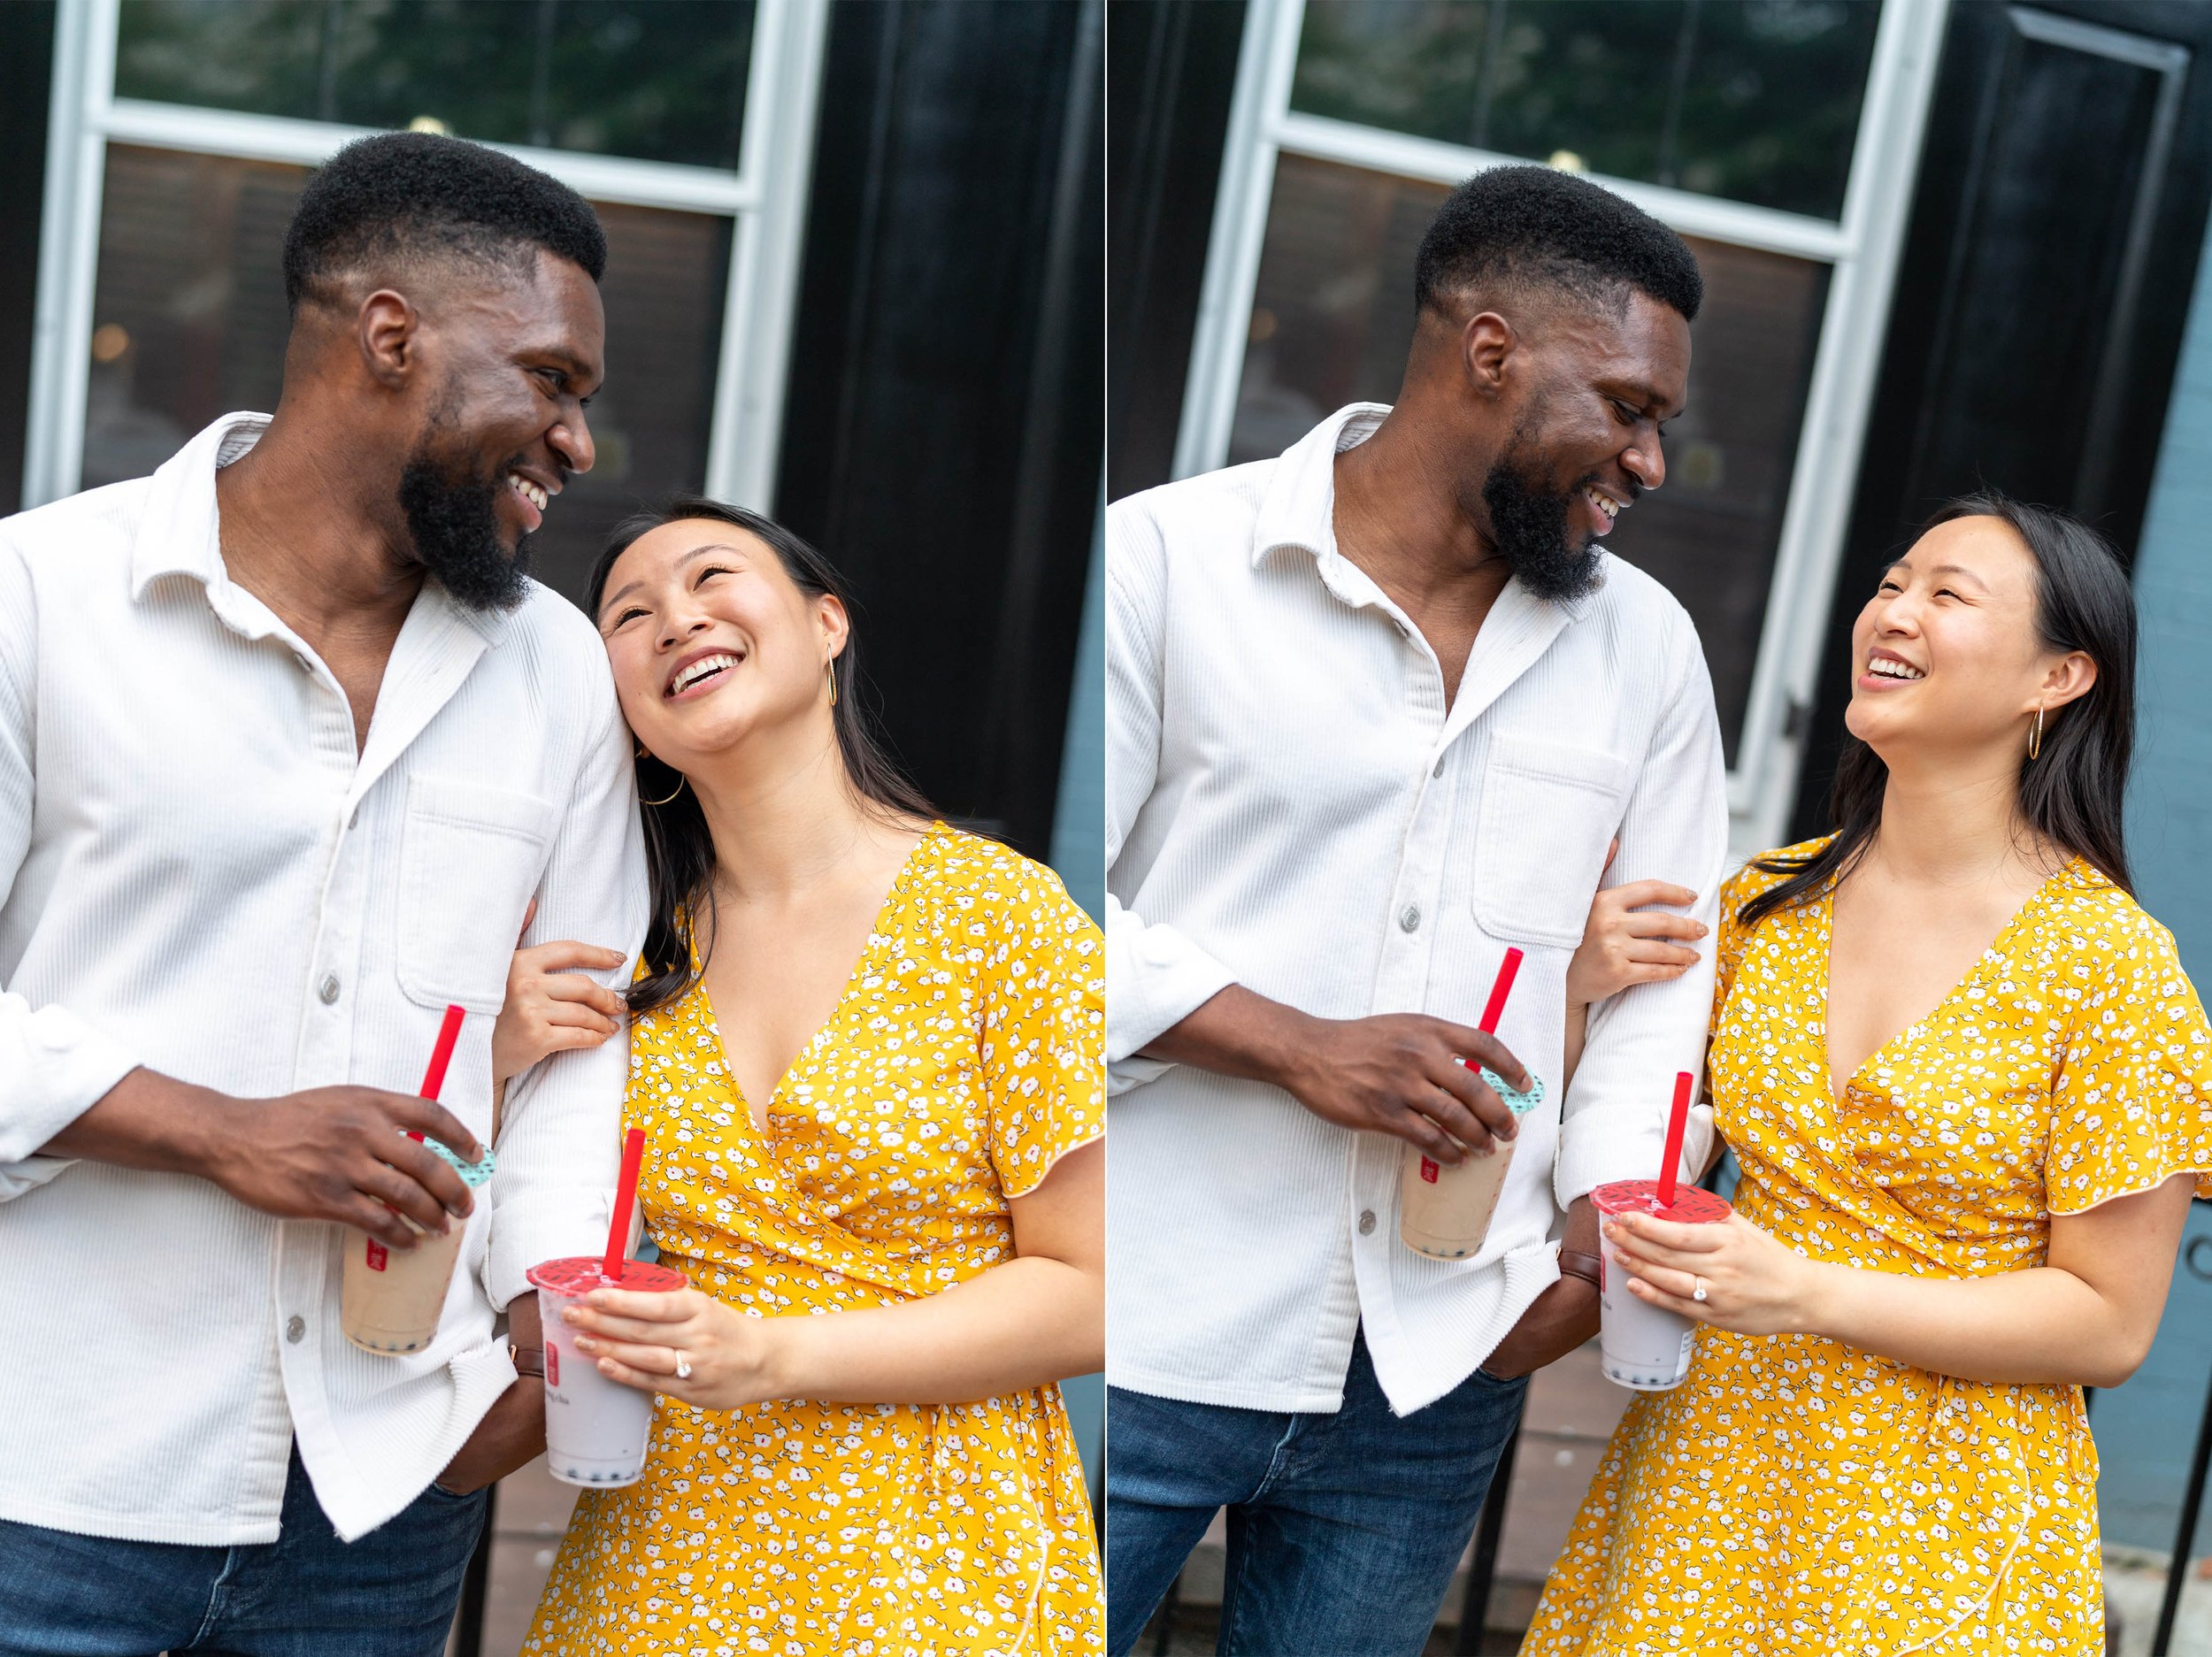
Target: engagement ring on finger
column 683, row 1364
column 1697, row 1292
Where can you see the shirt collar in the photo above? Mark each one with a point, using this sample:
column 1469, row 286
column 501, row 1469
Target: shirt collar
column 1299, row 507
column 180, row 533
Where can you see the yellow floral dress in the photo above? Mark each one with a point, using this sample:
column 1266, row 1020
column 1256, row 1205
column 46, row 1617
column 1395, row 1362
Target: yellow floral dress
column 1798, row 1496
column 967, row 1055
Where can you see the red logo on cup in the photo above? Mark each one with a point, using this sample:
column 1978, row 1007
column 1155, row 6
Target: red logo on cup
column 377, row 1256
column 552, row 1364
column 1428, row 1170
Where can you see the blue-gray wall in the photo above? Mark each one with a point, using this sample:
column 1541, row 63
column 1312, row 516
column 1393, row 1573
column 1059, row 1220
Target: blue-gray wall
column 1078, row 853
column 2144, row 1429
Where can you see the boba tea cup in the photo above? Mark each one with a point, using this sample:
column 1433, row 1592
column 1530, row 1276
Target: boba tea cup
column 390, row 1298
column 1640, row 1346
column 1445, row 1212
column 595, row 1429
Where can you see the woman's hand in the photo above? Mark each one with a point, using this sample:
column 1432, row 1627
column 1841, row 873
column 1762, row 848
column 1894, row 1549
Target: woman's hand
column 1754, row 1284
column 1624, row 942
column 640, row 1340
column 552, row 1010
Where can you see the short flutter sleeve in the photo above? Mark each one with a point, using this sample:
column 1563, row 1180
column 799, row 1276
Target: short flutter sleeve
column 2132, row 1105
column 1044, row 1026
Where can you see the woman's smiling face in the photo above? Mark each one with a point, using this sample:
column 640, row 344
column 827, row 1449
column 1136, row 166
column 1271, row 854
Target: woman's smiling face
column 711, row 640
column 1947, row 653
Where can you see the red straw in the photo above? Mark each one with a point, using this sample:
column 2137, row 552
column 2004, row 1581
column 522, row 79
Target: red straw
column 1677, row 1120
column 1500, row 988
column 1499, row 991
column 625, row 1193
column 441, row 1056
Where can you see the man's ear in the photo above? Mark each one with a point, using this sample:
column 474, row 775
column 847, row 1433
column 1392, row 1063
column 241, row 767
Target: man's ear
column 1486, row 343
column 389, row 329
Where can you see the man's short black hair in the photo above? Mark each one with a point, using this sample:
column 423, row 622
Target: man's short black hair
column 1534, row 228
column 412, row 196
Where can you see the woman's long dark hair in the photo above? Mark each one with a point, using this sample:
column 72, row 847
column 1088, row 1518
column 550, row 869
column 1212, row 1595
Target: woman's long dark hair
column 679, row 849
column 2073, row 794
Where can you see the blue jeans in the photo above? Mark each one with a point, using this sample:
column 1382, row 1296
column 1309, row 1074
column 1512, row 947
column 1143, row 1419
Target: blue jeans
column 1343, row 1529
column 306, row 1594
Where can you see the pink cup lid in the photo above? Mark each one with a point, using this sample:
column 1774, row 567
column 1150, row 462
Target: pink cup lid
column 579, row 1274
column 1693, row 1204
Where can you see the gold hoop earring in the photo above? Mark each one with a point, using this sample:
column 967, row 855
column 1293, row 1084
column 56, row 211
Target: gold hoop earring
column 833, row 668
column 671, row 793
column 2035, row 737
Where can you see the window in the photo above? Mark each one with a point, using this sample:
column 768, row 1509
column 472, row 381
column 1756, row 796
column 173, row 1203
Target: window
column 190, row 323
column 1754, row 100
column 1776, row 135
column 656, row 80
column 1332, row 310
column 687, row 123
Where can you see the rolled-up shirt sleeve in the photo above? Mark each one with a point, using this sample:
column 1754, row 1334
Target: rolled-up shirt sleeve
column 54, row 1065
column 559, row 1140
column 1675, row 829
column 1156, row 976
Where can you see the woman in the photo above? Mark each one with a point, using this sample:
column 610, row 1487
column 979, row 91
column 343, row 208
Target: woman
column 867, row 1051
column 1966, row 1082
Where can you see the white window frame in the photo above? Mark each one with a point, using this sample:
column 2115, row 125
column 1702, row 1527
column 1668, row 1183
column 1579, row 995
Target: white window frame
column 1862, row 248
column 765, row 199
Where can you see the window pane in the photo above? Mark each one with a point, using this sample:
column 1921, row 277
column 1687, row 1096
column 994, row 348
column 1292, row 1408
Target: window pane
column 1333, row 315
column 656, row 80
column 190, row 323
column 1754, row 100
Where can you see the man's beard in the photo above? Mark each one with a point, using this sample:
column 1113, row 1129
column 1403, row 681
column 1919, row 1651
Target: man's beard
column 455, row 530
column 1528, row 526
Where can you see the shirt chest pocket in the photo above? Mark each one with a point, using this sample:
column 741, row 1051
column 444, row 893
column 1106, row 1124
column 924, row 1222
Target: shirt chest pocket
column 469, row 859
column 1549, row 812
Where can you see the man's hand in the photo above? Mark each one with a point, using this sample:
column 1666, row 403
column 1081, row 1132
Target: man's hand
column 1558, row 1320
column 338, row 1154
column 512, row 1432
column 1404, row 1074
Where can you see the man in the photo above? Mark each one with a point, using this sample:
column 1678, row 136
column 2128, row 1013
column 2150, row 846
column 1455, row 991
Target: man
column 1376, row 710
column 288, row 744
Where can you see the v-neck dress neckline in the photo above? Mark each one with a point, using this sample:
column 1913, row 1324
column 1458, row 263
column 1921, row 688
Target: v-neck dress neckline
column 894, row 898
column 1993, row 952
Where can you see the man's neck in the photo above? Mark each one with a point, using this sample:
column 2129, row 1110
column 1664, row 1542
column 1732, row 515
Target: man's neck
column 300, row 533
column 1397, row 515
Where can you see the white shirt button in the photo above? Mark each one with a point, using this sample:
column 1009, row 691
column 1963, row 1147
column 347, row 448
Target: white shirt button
column 1366, row 1223
column 1439, row 772
column 327, row 990
column 295, row 1329
column 1409, row 918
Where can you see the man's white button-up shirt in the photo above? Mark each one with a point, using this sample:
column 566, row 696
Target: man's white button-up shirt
column 199, row 874
column 1292, row 806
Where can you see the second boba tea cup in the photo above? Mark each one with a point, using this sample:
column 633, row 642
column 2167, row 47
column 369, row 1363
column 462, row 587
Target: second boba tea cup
column 595, row 1429
column 1641, row 1346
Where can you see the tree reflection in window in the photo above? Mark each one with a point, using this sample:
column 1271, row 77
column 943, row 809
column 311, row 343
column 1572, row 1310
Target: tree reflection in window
column 1754, row 100
column 653, row 80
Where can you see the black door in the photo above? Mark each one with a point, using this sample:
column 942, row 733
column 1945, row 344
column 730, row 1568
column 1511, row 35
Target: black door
column 2045, row 279
column 943, row 424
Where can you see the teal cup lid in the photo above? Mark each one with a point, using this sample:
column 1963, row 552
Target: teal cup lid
column 1519, row 1104
column 473, row 1173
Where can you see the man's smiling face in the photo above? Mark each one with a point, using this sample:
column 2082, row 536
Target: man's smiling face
column 520, row 354
column 1596, row 385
